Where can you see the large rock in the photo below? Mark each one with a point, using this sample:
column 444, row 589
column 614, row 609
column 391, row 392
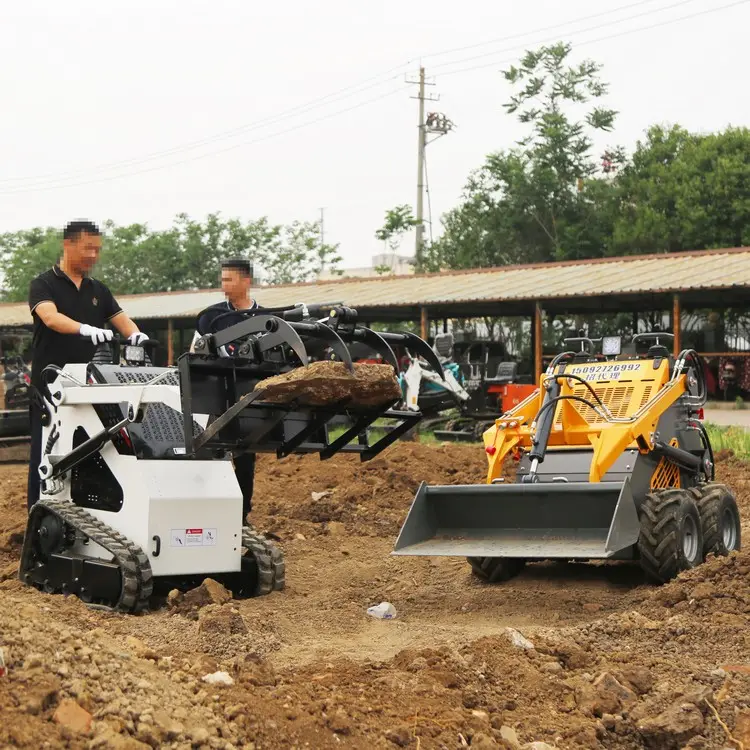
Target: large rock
column 509, row 736
column 606, row 695
column 321, row 383
column 74, row 718
column 672, row 728
column 374, row 384
column 209, row 592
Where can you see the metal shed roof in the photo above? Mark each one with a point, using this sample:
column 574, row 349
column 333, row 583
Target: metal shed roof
column 609, row 277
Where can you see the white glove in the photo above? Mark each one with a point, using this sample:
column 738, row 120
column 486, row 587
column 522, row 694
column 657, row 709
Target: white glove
column 137, row 338
column 97, row 335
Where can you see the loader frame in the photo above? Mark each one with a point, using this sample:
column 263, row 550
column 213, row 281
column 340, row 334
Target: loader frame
column 629, row 474
column 592, row 424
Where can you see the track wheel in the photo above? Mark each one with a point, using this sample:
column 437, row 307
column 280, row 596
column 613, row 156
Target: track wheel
column 496, row 569
column 671, row 538
column 720, row 519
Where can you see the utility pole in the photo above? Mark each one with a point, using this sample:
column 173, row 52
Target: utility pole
column 439, row 125
column 421, row 145
column 322, row 231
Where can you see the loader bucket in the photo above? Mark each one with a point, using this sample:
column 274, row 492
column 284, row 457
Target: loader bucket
column 533, row 521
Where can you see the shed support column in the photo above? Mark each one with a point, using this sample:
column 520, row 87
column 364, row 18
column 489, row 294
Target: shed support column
column 170, row 342
column 424, row 324
column 676, row 316
column 537, row 339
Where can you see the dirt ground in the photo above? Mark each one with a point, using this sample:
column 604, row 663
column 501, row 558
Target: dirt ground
column 574, row 656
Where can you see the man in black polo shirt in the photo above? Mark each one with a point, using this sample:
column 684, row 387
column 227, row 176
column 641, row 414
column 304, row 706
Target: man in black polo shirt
column 70, row 311
column 236, row 280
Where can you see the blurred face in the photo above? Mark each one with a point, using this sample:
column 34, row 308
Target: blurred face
column 234, row 283
column 82, row 252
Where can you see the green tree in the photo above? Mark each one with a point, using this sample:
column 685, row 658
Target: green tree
column 539, row 201
column 683, row 191
column 398, row 221
column 136, row 259
column 296, row 254
column 24, row 255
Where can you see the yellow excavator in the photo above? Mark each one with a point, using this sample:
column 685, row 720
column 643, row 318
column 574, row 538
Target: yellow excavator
column 613, row 462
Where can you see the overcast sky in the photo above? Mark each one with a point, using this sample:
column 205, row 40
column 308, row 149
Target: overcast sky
column 138, row 110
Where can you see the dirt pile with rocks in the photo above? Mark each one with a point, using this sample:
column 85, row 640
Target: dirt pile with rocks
column 564, row 656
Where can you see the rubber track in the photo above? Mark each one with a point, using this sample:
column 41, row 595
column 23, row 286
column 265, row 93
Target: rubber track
column 269, row 558
column 137, row 577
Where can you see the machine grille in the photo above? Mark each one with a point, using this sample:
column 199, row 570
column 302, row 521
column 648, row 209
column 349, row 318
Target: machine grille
column 667, row 474
column 618, row 399
column 162, row 425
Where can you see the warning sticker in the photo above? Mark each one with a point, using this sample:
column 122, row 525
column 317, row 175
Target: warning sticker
column 192, row 537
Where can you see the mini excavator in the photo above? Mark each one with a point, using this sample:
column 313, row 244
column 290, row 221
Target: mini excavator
column 614, row 463
column 137, row 483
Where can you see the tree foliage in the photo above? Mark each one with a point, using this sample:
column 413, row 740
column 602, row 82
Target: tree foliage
column 550, row 198
column 398, row 221
column 136, row 259
column 683, row 191
column 525, row 204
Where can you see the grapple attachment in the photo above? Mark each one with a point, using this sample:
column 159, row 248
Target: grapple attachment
column 242, row 417
column 540, row 520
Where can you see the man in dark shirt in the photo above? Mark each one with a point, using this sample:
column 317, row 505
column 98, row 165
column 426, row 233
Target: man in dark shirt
column 70, row 311
column 236, row 280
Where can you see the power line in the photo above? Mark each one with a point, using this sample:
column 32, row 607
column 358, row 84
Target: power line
column 197, row 157
column 519, row 35
column 429, row 198
column 578, row 44
column 342, row 94
column 224, row 135
column 339, row 95
column 577, row 31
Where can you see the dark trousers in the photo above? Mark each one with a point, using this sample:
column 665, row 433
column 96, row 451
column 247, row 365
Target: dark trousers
column 35, row 457
column 244, row 470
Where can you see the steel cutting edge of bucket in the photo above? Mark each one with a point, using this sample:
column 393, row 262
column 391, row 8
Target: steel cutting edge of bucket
column 534, row 521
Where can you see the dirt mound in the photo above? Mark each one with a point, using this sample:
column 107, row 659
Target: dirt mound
column 721, row 584
column 577, row 656
column 369, row 498
column 12, row 517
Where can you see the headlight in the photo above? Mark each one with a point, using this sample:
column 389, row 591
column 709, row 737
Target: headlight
column 135, row 354
column 611, row 345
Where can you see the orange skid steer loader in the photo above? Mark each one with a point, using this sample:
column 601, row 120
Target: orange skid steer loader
column 613, row 463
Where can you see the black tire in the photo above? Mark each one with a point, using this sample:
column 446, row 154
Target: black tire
column 496, row 569
column 720, row 518
column 671, row 538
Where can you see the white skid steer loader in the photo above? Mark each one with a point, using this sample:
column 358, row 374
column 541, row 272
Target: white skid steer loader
column 138, row 486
